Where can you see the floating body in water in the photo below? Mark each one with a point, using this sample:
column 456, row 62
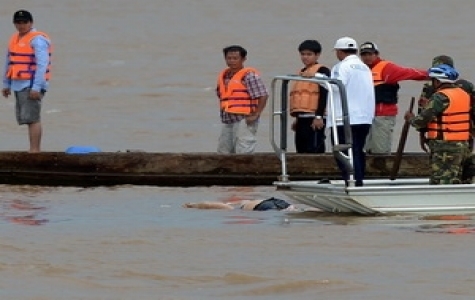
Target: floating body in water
column 257, row 205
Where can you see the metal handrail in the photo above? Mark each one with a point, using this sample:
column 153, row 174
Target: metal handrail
column 281, row 150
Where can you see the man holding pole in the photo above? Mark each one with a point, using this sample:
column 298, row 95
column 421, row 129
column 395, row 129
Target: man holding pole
column 446, row 119
column 428, row 90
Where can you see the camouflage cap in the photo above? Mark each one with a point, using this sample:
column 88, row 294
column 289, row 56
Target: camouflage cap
column 443, row 59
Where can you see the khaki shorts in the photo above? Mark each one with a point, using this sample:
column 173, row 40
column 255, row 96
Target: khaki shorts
column 380, row 137
column 27, row 110
column 238, row 137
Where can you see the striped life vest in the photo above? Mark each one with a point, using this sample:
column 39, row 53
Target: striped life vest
column 22, row 59
column 454, row 123
column 234, row 96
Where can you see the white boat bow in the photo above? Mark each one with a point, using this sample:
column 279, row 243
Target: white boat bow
column 377, row 196
column 382, row 196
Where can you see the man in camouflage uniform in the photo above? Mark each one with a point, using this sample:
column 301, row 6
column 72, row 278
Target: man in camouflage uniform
column 447, row 156
column 428, row 90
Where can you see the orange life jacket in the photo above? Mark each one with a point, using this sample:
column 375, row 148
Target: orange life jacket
column 454, row 123
column 234, row 96
column 304, row 95
column 383, row 92
column 22, row 59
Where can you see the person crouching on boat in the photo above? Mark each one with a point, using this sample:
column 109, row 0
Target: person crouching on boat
column 242, row 98
column 446, row 119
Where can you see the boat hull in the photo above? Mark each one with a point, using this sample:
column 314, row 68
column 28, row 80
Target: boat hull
column 402, row 196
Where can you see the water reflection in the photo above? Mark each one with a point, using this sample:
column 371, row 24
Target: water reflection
column 242, row 220
column 23, row 212
column 311, row 215
column 450, row 224
column 447, row 228
column 447, row 224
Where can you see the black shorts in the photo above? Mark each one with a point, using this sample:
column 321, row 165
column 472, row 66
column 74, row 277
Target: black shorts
column 272, row 203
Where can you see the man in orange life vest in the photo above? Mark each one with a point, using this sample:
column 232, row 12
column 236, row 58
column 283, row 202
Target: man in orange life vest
column 446, row 119
column 27, row 72
column 308, row 101
column 242, row 98
column 386, row 76
column 428, row 90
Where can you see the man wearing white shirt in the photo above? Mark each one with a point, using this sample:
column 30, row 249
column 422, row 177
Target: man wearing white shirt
column 358, row 82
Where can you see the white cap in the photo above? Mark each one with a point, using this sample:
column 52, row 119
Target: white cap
column 346, row 43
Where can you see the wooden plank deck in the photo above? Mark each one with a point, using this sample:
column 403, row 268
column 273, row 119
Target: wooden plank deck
column 183, row 169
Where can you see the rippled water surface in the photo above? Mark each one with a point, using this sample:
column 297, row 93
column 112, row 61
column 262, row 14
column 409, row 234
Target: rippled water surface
column 139, row 242
column 140, row 75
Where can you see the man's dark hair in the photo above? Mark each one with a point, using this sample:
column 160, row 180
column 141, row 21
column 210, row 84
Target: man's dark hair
column 235, row 48
column 310, row 45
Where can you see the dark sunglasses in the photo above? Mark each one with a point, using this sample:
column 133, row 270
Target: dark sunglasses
column 21, row 22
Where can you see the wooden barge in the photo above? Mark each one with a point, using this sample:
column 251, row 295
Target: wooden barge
column 185, row 169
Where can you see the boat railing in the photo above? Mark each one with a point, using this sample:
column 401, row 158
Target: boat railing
column 280, row 112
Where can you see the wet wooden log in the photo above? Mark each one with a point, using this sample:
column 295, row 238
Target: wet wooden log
column 184, row 169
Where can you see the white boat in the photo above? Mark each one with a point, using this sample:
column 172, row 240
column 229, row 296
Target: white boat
column 377, row 196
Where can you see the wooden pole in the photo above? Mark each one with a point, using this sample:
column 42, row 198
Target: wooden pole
column 402, row 144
